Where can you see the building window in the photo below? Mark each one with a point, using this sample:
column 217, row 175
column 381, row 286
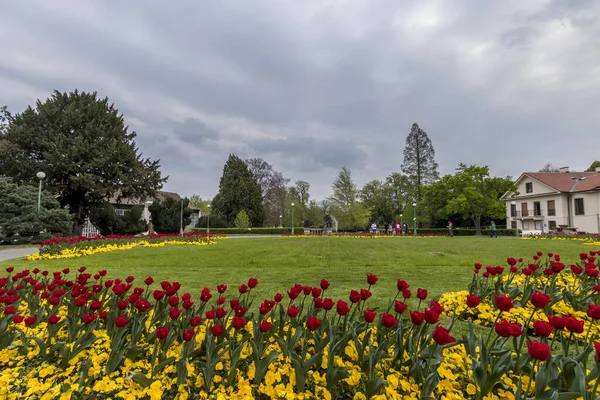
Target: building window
column 119, row 211
column 579, row 207
column 529, row 187
column 513, row 224
column 552, row 225
column 551, row 208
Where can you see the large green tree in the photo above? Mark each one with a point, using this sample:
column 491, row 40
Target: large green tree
column 419, row 160
column 167, row 215
column 19, row 214
column 378, row 198
column 238, row 190
column 273, row 187
column 593, row 166
column 82, row 144
column 344, row 204
column 108, row 222
column 471, row 192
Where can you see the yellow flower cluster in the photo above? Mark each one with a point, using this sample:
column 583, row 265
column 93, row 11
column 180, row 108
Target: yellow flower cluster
column 29, row 376
column 75, row 251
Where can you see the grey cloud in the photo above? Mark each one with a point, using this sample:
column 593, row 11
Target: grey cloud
column 489, row 81
column 194, row 131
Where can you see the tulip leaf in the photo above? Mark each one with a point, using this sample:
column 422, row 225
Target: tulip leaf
column 141, row 379
column 430, row 384
column 334, row 376
column 568, row 395
column 374, row 386
column 163, row 364
column 579, row 381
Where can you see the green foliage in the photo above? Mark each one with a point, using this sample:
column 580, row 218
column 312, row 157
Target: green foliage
column 199, row 202
column 216, row 221
column 419, row 161
column 238, row 190
column 378, row 199
column 470, row 192
column 593, row 166
column 166, row 215
column 108, row 222
column 344, row 204
column 250, row 231
column 241, row 220
column 19, row 216
column 549, row 167
column 82, row 144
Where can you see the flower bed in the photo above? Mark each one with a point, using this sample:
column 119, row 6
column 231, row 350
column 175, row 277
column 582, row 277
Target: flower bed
column 81, row 246
column 360, row 235
column 78, row 335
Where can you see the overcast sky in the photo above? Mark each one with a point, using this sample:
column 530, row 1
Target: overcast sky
column 311, row 86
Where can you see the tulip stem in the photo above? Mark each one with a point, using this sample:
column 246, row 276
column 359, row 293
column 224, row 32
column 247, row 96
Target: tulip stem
column 487, row 342
column 530, row 378
column 595, row 389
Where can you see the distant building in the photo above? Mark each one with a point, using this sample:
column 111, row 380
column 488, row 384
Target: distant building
column 125, row 204
column 555, row 201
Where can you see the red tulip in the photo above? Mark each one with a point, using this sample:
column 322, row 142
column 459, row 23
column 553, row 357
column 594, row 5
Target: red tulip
column 417, row 317
column 431, row 317
column 388, row 320
column 162, row 333
column 53, row 319
column 593, row 311
column 324, row 284
column 265, row 326
column 504, row 303
column 538, row 351
column 121, row 321
column 402, row 285
column 149, row 281
column 399, row 307
column 17, row 319
column 542, row 328
column 252, row 282
column 371, row 279
column 217, row 330
column 195, row 321
column 293, row 311
column 441, row 336
column 342, row 307
column 312, row 323
column 239, row 323
column 188, row 334
column 174, row 313
column 369, row 315
column 473, row 301
column 540, row 300
column 355, row 296
column 421, row 294
column 89, row 318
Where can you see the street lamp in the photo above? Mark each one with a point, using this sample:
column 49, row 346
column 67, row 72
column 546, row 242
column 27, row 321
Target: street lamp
column 292, row 218
column 415, row 219
column 401, row 224
column 514, row 203
column 181, row 220
column 569, row 206
column 280, row 225
column 208, row 219
column 40, row 175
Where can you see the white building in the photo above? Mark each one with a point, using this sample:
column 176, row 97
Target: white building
column 555, row 201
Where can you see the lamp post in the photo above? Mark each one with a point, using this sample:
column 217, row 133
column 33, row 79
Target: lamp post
column 292, row 218
column 208, row 220
column 181, row 220
column 415, row 219
column 40, row 175
column 514, row 203
column 401, row 221
column 280, row 225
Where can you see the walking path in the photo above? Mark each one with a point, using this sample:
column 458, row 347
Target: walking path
column 16, row 253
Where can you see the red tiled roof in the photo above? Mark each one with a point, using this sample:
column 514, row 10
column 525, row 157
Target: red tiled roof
column 562, row 181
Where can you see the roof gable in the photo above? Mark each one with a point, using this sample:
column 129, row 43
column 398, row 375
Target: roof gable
column 563, row 181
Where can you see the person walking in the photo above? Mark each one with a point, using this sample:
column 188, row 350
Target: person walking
column 450, row 229
column 397, row 226
column 404, row 229
column 493, row 233
column 374, row 228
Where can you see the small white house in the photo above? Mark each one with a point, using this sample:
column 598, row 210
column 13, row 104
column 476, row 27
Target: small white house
column 555, row 201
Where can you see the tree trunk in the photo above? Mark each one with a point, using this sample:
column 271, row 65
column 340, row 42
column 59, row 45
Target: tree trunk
column 78, row 222
column 477, row 221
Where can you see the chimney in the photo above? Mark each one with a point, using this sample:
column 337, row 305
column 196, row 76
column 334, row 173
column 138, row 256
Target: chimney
column 563, row 169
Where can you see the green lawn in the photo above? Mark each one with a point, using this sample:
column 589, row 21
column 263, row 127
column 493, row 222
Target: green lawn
column 439, row 264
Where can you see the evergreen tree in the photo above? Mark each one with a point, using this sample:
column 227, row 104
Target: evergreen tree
column 238, row 190
column 108, row 222
column 166, row 215
column 19, row 214
column 419, row 160
column 242, row 221
column 82, row 144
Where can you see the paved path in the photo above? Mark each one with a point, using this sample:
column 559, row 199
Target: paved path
column 16, row 253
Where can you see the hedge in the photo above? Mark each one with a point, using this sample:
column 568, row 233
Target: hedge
column 300, row 231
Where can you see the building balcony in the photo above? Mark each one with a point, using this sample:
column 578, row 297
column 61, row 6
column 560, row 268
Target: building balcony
column 527, row 214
